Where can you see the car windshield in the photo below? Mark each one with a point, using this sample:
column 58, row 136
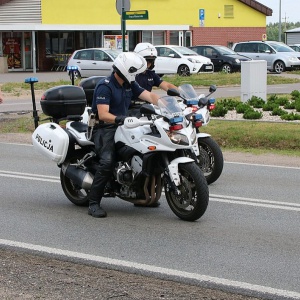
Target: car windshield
column 185, row 51
column 113, row 52
column 169, row 107
column 280, row 47
column 224, row 50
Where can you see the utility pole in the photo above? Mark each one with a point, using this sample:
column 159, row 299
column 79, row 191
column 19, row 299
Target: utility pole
column 279, row 31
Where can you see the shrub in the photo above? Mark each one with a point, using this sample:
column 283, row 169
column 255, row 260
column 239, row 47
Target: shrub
column 252, row 114
column 269, row 106
column 256, row 102
column 242, row 107
column 277, row 111
column 289, row 105
column 219, row 111
column 290, row 117
column 230, row 104
column 295, row 94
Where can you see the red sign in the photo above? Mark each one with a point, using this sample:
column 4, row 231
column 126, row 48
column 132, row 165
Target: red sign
column 12, row 50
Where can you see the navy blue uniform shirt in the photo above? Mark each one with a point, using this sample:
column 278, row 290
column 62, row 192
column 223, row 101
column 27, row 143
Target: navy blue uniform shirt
column 109, row 91
column 148, row 79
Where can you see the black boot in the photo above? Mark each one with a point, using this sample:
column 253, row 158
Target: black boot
column 96, row 211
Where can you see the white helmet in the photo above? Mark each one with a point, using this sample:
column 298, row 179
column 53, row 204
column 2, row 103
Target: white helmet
column 128, row 64
column 146, row 50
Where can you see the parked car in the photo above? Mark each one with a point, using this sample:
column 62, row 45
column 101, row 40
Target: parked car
column 279, row 56
column 92, row 62
column 295, row 47
column 223, row 58
column 172, row 59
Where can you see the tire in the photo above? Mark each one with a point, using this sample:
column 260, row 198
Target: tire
column 77, row 75
column 73, row 192
column 183, row 70
column 211, row 159
column 226, row 68
column 279, row 66
column 192, row 202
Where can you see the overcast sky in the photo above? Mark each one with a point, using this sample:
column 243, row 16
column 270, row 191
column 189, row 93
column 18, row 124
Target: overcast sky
column 289, row 10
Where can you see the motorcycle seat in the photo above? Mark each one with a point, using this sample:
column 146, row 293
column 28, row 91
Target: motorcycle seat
column 79, row 126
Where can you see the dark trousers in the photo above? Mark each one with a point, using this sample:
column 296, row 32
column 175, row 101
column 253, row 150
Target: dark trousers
column 105, row 148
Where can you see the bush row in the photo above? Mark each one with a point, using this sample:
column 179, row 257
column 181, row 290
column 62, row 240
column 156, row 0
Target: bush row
column 276, row 105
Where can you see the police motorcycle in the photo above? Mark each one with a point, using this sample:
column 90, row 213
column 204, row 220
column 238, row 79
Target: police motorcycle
column 153, row 153
column 210, row 157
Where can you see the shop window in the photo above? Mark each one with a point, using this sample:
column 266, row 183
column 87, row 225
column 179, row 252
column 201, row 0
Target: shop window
column 153, row 37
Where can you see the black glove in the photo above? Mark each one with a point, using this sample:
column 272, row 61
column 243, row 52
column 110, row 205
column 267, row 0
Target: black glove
column 120, row 120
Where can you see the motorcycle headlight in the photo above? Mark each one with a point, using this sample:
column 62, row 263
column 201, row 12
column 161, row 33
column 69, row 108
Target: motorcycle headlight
column 178, row 138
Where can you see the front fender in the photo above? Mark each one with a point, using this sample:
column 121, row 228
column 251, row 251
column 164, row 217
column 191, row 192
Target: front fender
column 173, row 168
column 202, row 135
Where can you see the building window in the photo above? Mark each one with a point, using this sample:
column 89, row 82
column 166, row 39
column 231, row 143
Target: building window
column 228, row 11
column 174, row 38
column 153, row 37
column 59, row 42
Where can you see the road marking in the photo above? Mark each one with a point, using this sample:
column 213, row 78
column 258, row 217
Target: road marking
column 155, row 271
column 291, row 206
column 255, row 202
column 261, row 165
column 29, row 176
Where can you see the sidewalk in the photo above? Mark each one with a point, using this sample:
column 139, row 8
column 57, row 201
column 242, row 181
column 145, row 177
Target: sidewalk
column 41, row 76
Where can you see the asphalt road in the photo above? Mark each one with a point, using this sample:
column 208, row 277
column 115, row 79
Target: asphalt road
column 247, row 240
column 25, row 104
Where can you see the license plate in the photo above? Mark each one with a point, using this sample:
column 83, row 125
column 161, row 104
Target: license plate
column 208, row 67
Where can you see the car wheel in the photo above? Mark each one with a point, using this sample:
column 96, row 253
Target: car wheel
column 183, row 70
column 279, row 66
column 76, row 75
column 226, row 68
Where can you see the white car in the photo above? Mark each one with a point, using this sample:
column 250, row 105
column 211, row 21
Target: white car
column 92, row 62
column 172, row 59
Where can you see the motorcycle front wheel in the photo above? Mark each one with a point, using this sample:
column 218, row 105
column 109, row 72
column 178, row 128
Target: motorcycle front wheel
column 73, row 192
column 211, row 159
column 192, row 201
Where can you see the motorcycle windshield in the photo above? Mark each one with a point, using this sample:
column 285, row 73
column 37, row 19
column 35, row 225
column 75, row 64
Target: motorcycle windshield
column 188, row 92
column 169, row 107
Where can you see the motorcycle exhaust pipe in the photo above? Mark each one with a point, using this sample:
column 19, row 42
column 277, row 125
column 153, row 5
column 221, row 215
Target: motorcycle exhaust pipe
column 79, row 176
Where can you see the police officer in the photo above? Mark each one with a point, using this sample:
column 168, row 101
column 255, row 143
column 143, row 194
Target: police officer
column 148, row 78
column 111, row 100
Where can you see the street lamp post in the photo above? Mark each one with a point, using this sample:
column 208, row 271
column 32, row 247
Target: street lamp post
column 279, row 31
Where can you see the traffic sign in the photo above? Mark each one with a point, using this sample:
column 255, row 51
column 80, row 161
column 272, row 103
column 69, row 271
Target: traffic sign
column 136, row 15
column 122, row 4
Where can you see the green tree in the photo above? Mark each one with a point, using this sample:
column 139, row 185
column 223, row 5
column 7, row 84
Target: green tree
column 273, row 30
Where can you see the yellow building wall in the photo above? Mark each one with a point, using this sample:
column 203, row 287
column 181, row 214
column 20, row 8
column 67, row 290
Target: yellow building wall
column 161, row 12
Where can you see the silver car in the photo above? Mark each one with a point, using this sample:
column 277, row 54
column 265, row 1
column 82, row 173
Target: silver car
column 279, row 56
column 92, row 62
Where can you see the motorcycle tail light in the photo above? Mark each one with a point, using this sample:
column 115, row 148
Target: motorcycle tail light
column 175, row 127
column 211, row 107
column 198, row 124
column 211, row 104
column 195, row 108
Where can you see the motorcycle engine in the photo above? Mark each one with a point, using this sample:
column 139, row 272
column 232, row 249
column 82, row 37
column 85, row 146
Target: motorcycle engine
column 124, row 174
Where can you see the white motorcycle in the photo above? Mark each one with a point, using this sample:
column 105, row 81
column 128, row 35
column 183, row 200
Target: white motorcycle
column 153, row 153
column 210, row 157
column 209, row 154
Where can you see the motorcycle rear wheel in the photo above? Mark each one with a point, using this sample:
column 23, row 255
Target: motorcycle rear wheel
column 211, row 159
column 192, row 202
column 73, row 192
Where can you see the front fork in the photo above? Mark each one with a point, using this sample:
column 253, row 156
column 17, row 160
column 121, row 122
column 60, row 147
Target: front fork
column 172, row 171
